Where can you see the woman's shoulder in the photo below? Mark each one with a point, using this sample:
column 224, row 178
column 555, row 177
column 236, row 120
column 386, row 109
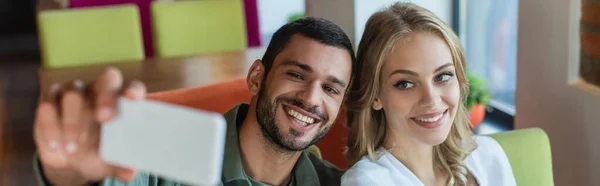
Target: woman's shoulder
column 489, row 163
column 382, row 170
column 487, row 148
column 365, row 172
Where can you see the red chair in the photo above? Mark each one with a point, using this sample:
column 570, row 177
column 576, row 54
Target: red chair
column 223, row 96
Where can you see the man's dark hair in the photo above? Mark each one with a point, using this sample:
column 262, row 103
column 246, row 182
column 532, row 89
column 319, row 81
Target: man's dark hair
column 315, row 28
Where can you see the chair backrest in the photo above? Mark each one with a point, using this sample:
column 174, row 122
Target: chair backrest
column 528, row 151
column 223, row 96
column 198, row 27
column 144, row 8
column 84, row 36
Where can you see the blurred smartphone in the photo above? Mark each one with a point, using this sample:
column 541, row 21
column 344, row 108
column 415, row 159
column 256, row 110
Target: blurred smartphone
column 170, row 141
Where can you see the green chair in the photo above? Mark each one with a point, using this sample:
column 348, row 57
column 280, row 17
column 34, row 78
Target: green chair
column 314, row 150
column 528, row 151
column 198, row 27
column 86, row 36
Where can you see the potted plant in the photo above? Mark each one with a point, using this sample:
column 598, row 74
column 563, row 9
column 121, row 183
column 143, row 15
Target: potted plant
column 295, row 16
column 477, row 100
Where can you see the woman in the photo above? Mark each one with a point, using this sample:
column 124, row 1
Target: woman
column 407, row 118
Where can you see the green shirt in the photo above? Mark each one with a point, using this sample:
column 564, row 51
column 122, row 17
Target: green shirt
column 309, row 169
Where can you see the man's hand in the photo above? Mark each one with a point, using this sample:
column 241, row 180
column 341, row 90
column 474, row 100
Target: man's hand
column 67, row 129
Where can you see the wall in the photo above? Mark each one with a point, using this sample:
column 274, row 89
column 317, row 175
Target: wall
column 340, row 12
column 17, row 26
column 352, row 15
column 442, row 8
column 365, row 8
column 549, row 95
column 273, row 14
column 16, row 16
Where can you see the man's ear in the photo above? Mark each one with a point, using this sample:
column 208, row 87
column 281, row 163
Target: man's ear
column 255, row 77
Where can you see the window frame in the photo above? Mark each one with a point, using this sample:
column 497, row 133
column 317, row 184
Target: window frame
column 497, row 112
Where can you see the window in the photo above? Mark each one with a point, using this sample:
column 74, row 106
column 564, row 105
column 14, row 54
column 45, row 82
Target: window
column 488, row 30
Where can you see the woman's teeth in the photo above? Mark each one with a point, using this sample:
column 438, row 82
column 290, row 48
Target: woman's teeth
column 431, row 119
column 301, row 119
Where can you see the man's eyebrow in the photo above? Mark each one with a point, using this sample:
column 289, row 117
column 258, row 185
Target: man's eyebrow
column 302, row 66
column 337, row 81
column 307, row 68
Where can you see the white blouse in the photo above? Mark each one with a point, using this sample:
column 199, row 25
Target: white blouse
column 487, row 163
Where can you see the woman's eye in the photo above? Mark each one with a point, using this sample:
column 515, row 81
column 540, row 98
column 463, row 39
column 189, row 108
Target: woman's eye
column 443, row 77
column 404, row 85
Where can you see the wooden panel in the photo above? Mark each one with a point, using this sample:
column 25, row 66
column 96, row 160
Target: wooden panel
column 3, row 177
column 43, row 5
column 589, row 67
column 164, row 73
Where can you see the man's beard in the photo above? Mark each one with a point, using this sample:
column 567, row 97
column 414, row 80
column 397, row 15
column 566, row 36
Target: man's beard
column 265, row 115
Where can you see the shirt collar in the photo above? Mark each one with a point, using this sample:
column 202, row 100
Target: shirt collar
column 232, row 162
column 304, row 172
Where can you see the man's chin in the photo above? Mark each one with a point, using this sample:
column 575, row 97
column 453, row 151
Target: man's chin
column 298, row 147
column 298, row 143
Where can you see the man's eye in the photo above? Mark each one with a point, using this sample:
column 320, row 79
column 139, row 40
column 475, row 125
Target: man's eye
column 404, row 85
column 295, row 75
column 331, row 90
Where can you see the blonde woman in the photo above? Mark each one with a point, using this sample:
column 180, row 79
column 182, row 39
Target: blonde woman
column 407, row 118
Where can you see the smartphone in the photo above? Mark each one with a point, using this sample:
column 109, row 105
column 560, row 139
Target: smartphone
column 170, row 141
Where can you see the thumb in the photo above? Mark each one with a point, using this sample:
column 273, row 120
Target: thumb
column 126, row 175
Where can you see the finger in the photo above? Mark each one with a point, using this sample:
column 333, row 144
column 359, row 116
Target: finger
column 57, row 90
column 75, row 85
column 136, row 90
column 125, row 175
column 73, row 105
column 86, row 116
column 47, row 135
column 106, row 89
column 78, row 85
column 90, row 134
column 53, row 93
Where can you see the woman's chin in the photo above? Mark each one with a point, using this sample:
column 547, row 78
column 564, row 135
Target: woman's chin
column 435, row 137
column 435, row 140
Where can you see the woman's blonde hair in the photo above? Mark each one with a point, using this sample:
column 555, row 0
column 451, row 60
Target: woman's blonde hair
column 367, row 125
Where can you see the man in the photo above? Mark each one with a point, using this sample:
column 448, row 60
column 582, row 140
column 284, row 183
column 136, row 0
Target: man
column 297, row 91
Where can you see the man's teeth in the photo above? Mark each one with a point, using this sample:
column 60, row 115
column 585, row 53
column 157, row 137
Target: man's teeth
column 301, row 119
column 432, row 119
column 300, row 122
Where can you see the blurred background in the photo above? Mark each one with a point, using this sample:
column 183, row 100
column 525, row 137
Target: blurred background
column 531, row 63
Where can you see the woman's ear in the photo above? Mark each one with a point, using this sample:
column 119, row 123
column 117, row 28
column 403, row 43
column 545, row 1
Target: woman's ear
column 255, row 77
column 377, row 105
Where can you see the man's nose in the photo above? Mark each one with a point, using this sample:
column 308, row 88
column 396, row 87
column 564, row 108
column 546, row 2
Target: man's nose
column 310, row 95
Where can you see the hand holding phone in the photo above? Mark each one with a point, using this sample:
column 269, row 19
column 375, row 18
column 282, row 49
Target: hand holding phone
column 170, row 141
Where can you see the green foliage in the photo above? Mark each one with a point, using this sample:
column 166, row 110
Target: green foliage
column 295, row 16
column 478, row 92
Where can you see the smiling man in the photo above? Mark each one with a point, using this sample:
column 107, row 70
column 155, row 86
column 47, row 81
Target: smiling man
column 297, row 91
